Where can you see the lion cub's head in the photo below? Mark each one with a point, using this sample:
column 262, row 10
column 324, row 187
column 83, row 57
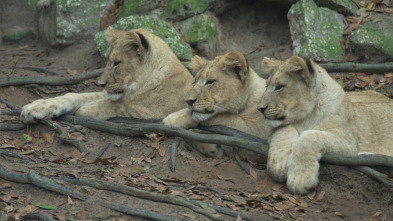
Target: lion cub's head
column 131, row 60
column 289, row 95
column 219, row 86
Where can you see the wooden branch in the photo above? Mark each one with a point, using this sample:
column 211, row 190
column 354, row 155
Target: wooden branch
column 257, row 147
column 13, row 81
column 37, row 180
column 7, row 127
column 358, row 67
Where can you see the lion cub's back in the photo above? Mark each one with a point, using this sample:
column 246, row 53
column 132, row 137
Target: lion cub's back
column 374, row 116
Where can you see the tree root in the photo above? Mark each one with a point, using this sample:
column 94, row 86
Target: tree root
column 383, row 178
column 14, row 81
column 41, row 216
column 173, row 153
column 12, row 127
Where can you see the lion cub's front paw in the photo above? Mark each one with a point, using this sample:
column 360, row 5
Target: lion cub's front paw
column 277, row 169
column 181, row 118
column 302, row 177
column 38, row 110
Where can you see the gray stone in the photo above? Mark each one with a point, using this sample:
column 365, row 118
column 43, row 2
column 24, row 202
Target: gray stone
column 345, row 7
column 373, row 42
column 155, row 25
column 67, row 21
column 177, row 10
column 316, row 32
column 199, row 28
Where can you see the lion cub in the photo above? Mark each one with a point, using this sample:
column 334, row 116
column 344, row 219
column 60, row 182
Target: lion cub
column 143, row 79
column 225, row 92
column 312, row 115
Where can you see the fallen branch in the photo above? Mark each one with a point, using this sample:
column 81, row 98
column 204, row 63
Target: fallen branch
column 38, row 69
column 115, row 187
column 358, row 67
column 7, row 127
column 257, row 147
column 9, row 81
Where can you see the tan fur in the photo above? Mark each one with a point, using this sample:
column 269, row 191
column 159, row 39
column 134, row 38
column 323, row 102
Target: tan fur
column 312, row 115
column 225, row 92
column 141, row 82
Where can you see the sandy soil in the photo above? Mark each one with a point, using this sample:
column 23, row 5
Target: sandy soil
column 343, row 193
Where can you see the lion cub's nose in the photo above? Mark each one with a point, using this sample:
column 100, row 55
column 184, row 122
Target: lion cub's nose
column 262, row 109
column 190, row 102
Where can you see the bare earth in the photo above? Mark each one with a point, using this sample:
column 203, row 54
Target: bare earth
column 343, row 193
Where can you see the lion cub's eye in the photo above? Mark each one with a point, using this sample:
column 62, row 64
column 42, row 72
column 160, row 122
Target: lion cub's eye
column 208, row 82
column 116, row 63
column 279, row 87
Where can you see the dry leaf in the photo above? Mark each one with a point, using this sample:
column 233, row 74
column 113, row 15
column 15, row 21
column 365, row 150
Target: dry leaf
column 72, row 72
column 339, row 214
column 277, row 187
column 376, row 214
column 311, row 195
column 265, row 182
column 81, row 214
column 320, row 195
column 161, row 151
column 69, row 200
column 47, row 137
column 239, row 218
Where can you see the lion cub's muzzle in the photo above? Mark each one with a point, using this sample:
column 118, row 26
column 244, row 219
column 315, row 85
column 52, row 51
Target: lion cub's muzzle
column 272, row 113
column 201, row 108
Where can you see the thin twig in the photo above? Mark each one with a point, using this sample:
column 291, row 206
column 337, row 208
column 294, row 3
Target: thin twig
column 63, row 135
column 15, row 155
column 383, row 178
column 241, row 164
column 74, row 127
column 9, row 81
column 102, row 151
column 9, row 105
column 173, row 154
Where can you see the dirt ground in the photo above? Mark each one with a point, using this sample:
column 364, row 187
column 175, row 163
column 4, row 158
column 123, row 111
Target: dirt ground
column 343, row 193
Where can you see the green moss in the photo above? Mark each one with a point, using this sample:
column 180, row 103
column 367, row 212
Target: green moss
column 132, row 7
column 158, row 27
column 32, row 4
column 377, row 38
column 15, row 34
column 182, row 9
column 316, row 32
column 202, row 28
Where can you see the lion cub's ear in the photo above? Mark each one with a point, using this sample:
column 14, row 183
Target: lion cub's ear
column 303, row 65
column 197, row 63
column 235, row 63
column 269, row 64
column 136, row 41
column 113, row 34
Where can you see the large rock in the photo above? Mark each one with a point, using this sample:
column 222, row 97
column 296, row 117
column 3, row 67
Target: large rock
column 155, row 25
column 199, row 28
column 65, row 22
column 373, row 42
column 176, row 10
column 316, row 32
column 16, row 33
column 133, row 7
column 345, row 7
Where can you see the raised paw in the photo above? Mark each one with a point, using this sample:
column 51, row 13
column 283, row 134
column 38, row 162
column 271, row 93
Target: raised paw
column 181, row 118
column 302, row 177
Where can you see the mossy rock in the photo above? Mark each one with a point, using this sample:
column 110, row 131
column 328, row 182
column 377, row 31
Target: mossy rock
column 200, row 28
column 16, row 34
column 155, row 25
column 177, row 10
column 133, row 7
column 345, row 7
column 316, row 32
column 373, row 42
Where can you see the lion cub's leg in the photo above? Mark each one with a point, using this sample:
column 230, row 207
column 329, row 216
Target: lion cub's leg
column 181, row 118
column 54, row 107
column 303, row 163
column 279, row 151
column 102, row 109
